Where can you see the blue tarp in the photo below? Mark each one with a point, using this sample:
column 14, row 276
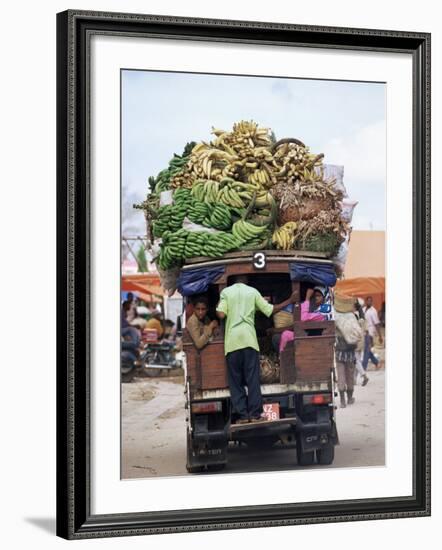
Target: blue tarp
column 310, row 272
column 194, row 281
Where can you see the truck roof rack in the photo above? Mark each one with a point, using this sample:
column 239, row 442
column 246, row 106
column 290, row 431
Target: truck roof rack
column 274, row 255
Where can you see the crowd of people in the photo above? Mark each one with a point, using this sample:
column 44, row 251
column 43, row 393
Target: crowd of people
column 139, row 320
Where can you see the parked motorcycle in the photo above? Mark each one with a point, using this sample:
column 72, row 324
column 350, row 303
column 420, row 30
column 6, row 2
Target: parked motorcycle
column 159, row 354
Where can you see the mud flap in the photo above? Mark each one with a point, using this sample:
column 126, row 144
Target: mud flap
column 207, row 449
column 315, row 435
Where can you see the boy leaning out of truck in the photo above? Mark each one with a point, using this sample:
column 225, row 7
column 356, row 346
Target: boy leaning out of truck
column 199, row 325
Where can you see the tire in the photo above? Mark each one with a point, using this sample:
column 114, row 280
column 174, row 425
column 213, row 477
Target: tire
column 326, row 455
column 215, row 467
column 127, row 377
column 127, row 366
column 191, row 468
column 304, row 458
column 194, row 469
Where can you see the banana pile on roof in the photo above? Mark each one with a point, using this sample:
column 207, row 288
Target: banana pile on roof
column 243, row 190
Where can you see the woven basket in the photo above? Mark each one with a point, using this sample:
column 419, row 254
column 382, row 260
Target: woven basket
column 343, row 303
column 269, row 370
column 283, row 319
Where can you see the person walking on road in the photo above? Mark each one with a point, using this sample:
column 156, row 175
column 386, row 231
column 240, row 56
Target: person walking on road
column 238, row 304
column 373, row 328
column 348, row 334
column 345, row 366
column 359, row 314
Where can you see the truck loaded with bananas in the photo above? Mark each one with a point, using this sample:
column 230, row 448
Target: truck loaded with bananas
column 242, row 191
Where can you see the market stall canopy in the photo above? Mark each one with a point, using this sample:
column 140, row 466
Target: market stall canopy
column 146, row 285
column 361, row 287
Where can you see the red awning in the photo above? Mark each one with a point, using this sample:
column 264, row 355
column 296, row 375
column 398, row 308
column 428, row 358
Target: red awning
column 146, row 285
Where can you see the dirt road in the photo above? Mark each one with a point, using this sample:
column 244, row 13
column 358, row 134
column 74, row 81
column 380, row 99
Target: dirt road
column 154, row 432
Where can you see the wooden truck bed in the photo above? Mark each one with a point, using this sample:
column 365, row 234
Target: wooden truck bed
column 307, row 362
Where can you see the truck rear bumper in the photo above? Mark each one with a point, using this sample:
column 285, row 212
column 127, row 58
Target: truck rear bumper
column 234, row 428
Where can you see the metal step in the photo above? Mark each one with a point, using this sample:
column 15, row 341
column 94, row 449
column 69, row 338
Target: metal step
column 266, row 423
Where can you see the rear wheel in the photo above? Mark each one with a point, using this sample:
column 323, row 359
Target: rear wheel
column 304, row 458
column 127, row 377
column 190, row 466
column 215, row 467
column 326, row 455
column 194, row 469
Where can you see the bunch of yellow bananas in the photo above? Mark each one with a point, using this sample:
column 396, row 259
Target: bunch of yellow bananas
column 260, row 177
column 284, row 237
column 184, row 179
column 293, row 161
column 244, row 138
column 209, row 162
column 263, row 199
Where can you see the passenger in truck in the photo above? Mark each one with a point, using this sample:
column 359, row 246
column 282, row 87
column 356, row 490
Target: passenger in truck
column 311, row 310
column 199, row 325
column 238, row 305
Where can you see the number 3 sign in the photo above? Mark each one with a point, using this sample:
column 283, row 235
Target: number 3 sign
column 259, row 260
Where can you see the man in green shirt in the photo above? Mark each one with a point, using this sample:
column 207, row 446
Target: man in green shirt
column 238, row 305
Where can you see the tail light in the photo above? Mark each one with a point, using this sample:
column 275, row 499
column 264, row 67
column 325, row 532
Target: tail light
column 207, row 407
column 317, row 399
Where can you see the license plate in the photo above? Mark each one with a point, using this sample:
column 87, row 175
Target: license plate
column 271, row 411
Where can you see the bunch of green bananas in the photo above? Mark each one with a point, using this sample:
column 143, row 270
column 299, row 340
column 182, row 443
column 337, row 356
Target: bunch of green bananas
column 161, row 222
column 172, row 249
column 195, row 243
column 181, row 196
column 220, row 243
column 263, row 216
column 231, row 197
column 198, row 211
column 220, row 217
column 205, row 190
column 181, row 244
column 246, row 232
column 258, row 243
column 228, row 191
column 169, row 217
column 176, row 165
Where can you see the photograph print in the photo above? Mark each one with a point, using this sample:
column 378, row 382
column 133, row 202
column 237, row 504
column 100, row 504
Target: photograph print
column 253, row 290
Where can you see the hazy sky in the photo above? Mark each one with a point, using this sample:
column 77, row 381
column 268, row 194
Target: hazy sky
column 343, row 120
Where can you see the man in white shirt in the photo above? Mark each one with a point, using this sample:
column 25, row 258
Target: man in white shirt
column 373, row 328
